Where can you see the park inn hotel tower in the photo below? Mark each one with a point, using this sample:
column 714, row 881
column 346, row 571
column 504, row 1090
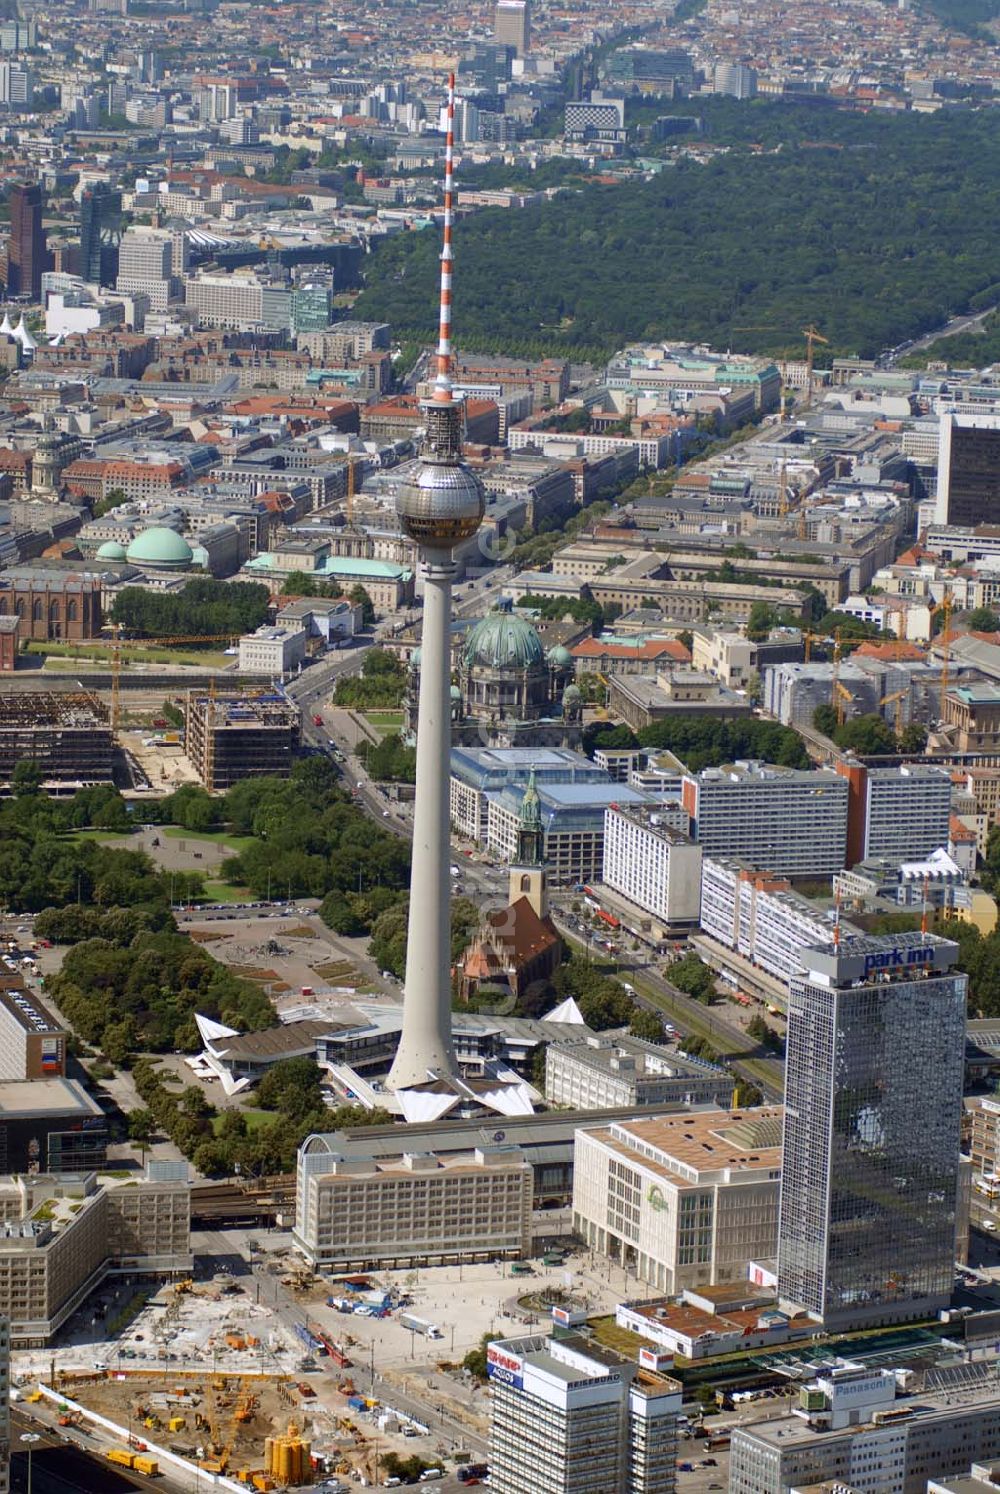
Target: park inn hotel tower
column 873, row 1105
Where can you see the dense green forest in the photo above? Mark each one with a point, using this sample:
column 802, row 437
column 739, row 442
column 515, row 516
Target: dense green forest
column 706, row 742
column 202, row 606
column 859, row 223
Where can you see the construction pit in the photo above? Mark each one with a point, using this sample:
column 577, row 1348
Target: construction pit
column 219, row 1381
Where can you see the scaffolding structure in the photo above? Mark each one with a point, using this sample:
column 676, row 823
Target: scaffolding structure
column 66, row 733
column 229, row 737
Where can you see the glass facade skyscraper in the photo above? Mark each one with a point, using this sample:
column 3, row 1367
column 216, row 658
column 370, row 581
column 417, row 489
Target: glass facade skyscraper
column 873, row 1102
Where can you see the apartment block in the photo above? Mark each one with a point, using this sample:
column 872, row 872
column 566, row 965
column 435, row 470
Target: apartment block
column 758, row 918
column 413, row 1209
column 572, row 1418
column 682, row 1200
column 651, row 864
column 791, row 821
column 897, row 814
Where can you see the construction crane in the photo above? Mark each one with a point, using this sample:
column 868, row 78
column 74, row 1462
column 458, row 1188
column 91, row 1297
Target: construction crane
column 116, row 658
column 835, row 676
column 812, row 335
column 944, row 607
column 897, row 696
column 783, row 491
column 841, row 695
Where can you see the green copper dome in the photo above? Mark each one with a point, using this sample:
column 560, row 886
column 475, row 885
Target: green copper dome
column 111, row 550
column 502, row 641
column 160, row 546
column 559, row 657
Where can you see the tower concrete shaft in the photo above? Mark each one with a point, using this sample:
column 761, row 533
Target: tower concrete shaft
column 425, row 1045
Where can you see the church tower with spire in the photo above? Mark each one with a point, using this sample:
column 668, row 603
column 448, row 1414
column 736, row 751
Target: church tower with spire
column 527, row 870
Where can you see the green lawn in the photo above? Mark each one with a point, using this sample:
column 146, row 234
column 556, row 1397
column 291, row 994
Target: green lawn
column 384, row 720
column 235, row 843
column 134, row 653
column 256, row 1119
column 225, row 892
column 104, row 837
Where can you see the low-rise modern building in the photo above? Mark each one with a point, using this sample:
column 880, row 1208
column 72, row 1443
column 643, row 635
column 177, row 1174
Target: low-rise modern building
column 789, row 820
column 572, row 819
column 654, row 866
column 572, row 1418
column 600, row 1073
column 412, row 1209
column 683, row 1200
column 478, row 772
column 50, row 1125
column 60, row 1236
column 853, row 1430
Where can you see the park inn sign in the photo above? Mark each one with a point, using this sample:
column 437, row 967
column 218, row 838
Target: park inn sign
column 898, row 959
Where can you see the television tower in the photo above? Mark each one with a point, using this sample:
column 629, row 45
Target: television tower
column 442, row 506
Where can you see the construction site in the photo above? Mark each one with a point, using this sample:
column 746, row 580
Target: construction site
column 67, row 733
column 206, row 1380
column 229, row 737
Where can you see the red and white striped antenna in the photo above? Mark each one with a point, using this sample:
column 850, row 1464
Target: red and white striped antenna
column 442, row 384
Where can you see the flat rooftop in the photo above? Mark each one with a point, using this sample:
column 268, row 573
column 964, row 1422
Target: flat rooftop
column 77, row 709
column 37, row 1099
column 28, row 1012
column 684, row 1148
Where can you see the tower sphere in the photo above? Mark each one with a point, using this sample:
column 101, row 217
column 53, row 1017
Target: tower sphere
column 441, row 505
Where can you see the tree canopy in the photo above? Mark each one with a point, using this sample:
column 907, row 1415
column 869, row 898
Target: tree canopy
column 202, row 607
column 881, row 239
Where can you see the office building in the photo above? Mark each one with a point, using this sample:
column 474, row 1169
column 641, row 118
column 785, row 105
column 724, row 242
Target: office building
column 369, row 1213
column 651, row 864
column 758, row 927
column 27, row 254
column 50, row 1125
column 682, row 1200
column 873, row 1095
column 512, row 25
column 61, row 1236
column 897, row 814
column 240, row 302
column 572, row 1418
column 597, row 118
column 791, row 821
column 231, row 737
column 852, row 1431
column 602, row 1073
column 17, row 85
column 968, row 475
column 734, row 79
column 144, row 259
column 32, row 1042
column 100, row 233
column 272, row 651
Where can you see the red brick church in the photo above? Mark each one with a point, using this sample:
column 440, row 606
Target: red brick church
column 517, row 946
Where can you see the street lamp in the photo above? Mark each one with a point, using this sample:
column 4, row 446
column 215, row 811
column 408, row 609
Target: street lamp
column 30, row 1438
